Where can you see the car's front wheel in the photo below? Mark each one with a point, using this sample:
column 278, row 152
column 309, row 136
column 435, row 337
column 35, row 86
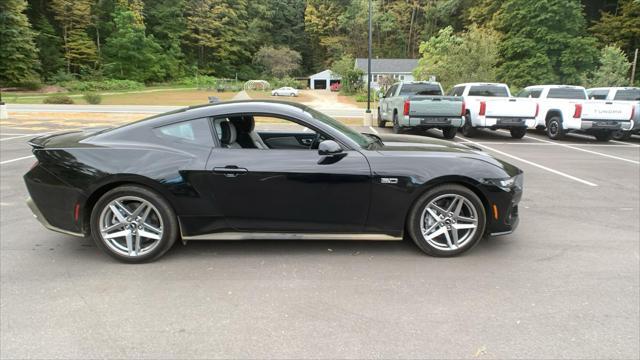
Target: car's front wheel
column 381, row 123
column 133, row 224
column 447, row 220
column 397, row 129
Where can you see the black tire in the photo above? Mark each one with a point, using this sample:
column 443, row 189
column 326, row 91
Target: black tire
column 397, row 129
column 449, row 132
column 415, row 218
column 381, row 123
column 603, row 135
column 621, row 135
column 554, row 128
column 518, row 132
column 467, row 129
column 170, row 226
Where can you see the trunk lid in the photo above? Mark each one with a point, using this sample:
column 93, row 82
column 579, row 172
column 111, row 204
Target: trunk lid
column 65, row 139
column 606, row 110
column 430, row 106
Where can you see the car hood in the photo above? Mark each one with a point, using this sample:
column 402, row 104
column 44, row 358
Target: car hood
column 412, row 146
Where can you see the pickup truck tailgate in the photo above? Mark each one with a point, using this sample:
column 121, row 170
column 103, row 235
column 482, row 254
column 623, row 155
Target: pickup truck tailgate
column 435, row 106
column 606, row 110
column 510, row 108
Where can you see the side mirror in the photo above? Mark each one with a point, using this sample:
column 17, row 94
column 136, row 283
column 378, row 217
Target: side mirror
column 329, row 148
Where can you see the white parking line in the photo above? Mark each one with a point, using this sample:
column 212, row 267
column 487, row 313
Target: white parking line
column 14, row 134
column 17, row 159
column 553, row 144
column 19, row 137
column 374, row 130
column 585, row 150
column 532, row 163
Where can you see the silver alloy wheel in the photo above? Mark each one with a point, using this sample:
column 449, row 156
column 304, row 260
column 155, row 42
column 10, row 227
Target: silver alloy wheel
column 449, row 222
column 131, row 226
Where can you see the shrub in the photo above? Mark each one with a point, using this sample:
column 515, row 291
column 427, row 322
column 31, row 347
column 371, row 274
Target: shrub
column 200, row 82
column 32, row 85
column 106, row 85
column 57, row 99
column 61, row 77
column 92, row 98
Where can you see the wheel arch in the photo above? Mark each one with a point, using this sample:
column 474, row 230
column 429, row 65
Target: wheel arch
column 551, row 113
column 113, row 182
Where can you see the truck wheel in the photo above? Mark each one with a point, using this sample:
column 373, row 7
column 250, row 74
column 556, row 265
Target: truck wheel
column 381, row 123
column 397, row 129
column 449, row 132
column 602, row 135
column 467, row 129
column 554, row 128
column 518, row 133
column 621, row 135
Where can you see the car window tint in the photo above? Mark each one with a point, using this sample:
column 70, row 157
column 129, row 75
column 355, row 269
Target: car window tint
column 457, row 91
column 420, row 89
column 567, row 93
column 489, row 91
column 197, row 132
column 391, row 91
column 628, row 94
column 535, row 93
column 524, row 94
column 597, row 94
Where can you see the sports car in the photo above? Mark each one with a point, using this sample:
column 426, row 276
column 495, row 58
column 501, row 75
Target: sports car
column 265, row 170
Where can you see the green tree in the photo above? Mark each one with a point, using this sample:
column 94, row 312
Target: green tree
column 279, row 62
column 613, row 70
column 74, row 17
column 544, row 41
column 455, row 58
column 166, row 22
column 621, row 29
column 351, row 77
column 18, row 53
column 50, row 48
column 129, row 53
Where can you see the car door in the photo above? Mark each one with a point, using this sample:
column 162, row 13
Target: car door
column 386, row 103
column 290, row 189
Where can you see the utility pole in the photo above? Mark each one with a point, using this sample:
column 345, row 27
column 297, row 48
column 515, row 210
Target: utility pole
column 633, row 67
column 367, row 116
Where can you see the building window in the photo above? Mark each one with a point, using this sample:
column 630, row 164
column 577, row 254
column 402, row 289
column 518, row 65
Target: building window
column 401, row 77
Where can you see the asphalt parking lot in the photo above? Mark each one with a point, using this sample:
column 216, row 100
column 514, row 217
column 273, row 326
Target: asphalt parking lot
column 564, row 285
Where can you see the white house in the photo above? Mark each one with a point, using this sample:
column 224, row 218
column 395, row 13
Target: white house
column 323, row 80
column 397, row 69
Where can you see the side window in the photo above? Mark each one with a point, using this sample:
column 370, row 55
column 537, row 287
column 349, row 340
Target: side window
column 598, row 94
column 456, row 91
column 535, row 93
column 524, row 94
column 391, row 91
column 194, row 132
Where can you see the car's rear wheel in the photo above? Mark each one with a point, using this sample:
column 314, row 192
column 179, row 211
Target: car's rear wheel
column 449, row 132
column 397, row 129
column 554, row 128
column 467, row 129
column 621, row 135
column 133, row 224
column 447, row 220
column 603, row 135
column 518, row 133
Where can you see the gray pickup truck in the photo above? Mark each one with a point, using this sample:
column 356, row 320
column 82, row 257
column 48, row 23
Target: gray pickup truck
column 421, row 105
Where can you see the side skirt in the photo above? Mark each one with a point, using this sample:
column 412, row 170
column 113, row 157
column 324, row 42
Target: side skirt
column 290, row 236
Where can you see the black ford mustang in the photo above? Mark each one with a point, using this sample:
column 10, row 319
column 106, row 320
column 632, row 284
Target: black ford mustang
column 206, row 173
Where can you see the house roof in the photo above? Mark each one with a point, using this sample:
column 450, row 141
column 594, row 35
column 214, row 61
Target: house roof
column 326, row 74
column 387, row 65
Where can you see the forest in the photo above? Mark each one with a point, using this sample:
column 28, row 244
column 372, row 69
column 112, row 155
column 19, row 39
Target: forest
column 520, row 42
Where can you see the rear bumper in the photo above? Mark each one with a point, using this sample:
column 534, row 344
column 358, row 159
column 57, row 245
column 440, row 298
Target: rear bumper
column 432, row 121
column 38, row 215
column 606, row 125
column 508, row 123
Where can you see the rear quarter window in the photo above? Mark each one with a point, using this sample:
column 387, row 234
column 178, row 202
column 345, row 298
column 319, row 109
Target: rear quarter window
column 194, row 132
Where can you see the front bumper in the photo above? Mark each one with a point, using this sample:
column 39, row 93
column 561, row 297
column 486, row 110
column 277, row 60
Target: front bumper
column 503, row 209
column 606, row 125
column 38, row 215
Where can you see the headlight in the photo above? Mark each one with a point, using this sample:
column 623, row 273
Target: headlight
column 508, row 183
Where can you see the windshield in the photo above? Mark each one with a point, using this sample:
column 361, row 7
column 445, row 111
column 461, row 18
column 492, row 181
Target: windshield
column 628, row 94
column 420, row 89
column 360, row 139
column 488, row 91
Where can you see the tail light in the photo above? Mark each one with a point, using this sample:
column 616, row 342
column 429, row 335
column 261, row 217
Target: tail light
column 407, row 106
column 464, row 109
column 483, row 108
column 537, row 110
column 578, row 112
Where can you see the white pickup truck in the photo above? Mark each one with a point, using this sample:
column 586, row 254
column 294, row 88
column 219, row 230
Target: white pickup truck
column 564, row 108
column 490, row 105
column 626, row 94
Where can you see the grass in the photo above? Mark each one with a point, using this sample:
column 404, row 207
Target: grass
column 161, row 95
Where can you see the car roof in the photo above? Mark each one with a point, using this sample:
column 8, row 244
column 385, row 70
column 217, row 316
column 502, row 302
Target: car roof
column 556, row 87
column 480, row 84
column 614, row 88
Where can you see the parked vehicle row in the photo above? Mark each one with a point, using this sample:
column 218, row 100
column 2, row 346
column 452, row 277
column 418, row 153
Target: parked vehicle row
column 557, row 109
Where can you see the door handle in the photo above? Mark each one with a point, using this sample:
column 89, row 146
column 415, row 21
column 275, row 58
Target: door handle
column 230, row 171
